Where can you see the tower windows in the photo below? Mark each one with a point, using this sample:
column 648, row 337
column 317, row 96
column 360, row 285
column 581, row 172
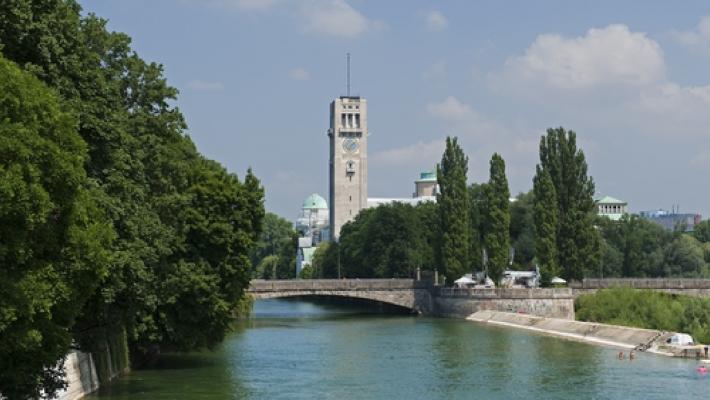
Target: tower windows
column 357, row 120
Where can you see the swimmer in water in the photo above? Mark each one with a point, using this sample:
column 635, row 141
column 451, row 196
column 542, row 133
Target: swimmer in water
column 631, row 355
column 621, row 355
column 702, row 370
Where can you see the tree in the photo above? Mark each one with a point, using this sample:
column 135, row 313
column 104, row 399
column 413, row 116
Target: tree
column 277, row 233
column 578, row 242
column 52, row 234
column 477, row 202
column 545, row 210
column 702, row 231
column 454, row 212
column 496, row 231
column 684, row 256
column 522, row 230
column 184, row 225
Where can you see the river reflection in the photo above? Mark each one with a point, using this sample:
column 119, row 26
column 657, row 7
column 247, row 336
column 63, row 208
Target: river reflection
column 303, row 350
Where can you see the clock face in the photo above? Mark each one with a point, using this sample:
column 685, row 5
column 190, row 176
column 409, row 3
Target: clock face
column 350, row 145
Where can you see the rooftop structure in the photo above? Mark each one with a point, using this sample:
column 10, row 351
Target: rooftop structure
column 312, row 225
column 672, row 220
column 611, row 208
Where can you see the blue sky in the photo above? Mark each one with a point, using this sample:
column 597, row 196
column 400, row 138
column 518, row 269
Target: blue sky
column 256, row 77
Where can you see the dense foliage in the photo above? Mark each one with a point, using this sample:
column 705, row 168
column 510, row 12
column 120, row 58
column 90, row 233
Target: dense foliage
column 107, row 204
column 400, row 239
column 647, row 309
column 53, row 237
column 454, row 212
column 546, row 211
column 635, row 247
column 578, row 248
column 274, row 255
column 496, row 220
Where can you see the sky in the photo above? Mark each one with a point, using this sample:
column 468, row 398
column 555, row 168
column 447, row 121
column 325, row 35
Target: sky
column 631, row 78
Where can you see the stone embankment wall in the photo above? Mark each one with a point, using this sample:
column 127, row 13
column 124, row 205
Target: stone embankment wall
column 455, row 302
column 612, row 335
column 85, row 372
column 81, row 376
column 687, row 287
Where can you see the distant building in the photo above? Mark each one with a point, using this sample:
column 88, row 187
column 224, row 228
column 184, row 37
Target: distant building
column 425, row 189
column 426, row 185
column 313, row 227
column 611, row 208
column 672, row 220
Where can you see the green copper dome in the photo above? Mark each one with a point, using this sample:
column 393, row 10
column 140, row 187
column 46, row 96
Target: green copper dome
column 314, row 201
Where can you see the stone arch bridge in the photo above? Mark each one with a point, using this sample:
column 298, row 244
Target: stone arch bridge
column 407, row 293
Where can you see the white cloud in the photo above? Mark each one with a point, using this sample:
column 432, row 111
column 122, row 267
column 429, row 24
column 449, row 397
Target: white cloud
column 334, row 17
column 299, row 74
column 436, row 21
column 698, row 38
column 450, row 110
column 607, row 56
column 205, row 85
column 257, row 5
column 423, row 154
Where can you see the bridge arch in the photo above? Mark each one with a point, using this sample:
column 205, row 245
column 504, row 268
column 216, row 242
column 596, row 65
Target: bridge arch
column 404, row 293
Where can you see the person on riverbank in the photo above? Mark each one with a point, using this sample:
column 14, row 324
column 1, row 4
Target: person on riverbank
column 621, row 355
column 631, row 355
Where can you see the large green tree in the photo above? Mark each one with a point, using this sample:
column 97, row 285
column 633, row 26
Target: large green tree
column 52, row 234
column 184, row 225
column 454, row 212
column 496, row 226
column 477, row 203
column 545, row 211
column 522, row 230
column 578, row 242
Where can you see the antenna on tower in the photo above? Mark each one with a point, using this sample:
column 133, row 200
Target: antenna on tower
column 348, row 75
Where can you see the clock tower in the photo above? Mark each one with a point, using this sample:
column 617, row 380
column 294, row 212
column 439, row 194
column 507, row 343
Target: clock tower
column 348, row 161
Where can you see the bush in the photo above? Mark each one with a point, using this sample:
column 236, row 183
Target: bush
column 647, row 309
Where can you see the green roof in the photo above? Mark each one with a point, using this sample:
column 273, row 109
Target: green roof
column 315, row 201
column 609, row 200
column 427, row 176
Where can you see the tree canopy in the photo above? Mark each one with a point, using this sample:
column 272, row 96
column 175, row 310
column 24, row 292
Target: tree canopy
column 454, row 212
column 110, row 180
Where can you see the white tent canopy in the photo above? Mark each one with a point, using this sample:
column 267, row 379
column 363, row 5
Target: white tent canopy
column 557, row 280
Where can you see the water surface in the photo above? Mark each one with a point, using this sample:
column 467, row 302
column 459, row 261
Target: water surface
column 301, row 350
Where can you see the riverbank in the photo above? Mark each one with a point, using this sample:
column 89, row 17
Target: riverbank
column 624, row 337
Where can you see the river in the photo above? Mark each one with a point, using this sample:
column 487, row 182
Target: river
column 301, row 350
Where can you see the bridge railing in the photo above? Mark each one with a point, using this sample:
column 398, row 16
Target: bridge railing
column 260, row 285
column 642, row 283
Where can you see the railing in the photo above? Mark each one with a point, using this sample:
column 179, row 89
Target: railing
column 260, row 285
column 642, row 283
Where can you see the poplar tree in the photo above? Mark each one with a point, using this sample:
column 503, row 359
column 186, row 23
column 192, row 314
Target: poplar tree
column 578, row 242
column 545, row 215
column 454, row 211
column 497, row 219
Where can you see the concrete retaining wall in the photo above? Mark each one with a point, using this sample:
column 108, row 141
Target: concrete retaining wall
column 556, row 303
column 81, row 376
column 612, row 335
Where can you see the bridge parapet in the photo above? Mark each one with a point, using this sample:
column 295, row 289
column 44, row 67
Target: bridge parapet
column 643, row 283
column 260, row 285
